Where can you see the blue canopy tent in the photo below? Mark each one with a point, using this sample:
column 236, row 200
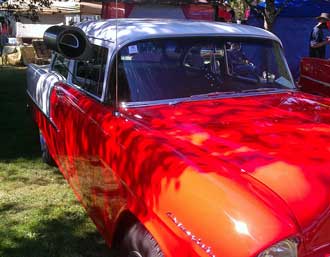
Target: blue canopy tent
column 294, row 25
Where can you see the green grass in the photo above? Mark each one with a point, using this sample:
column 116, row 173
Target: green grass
column 39, row 215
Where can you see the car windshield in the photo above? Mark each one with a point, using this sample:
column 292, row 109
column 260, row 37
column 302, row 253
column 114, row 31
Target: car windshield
column 173, row 68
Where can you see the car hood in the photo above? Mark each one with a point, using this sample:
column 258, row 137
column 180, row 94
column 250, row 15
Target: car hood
column 282, row 140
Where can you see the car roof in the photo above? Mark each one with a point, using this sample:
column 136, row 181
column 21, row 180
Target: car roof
column 130, row 30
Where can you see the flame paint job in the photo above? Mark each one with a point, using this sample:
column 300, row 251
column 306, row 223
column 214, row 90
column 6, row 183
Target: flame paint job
column 240, row 173
column 315, row 76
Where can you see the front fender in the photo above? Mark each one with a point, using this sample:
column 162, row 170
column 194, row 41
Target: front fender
column 204, row 214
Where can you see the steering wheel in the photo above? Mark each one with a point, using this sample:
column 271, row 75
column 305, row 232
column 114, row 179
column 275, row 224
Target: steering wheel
column 213, row 71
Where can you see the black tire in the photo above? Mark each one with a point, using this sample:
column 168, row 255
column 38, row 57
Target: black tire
column 138, row 242
column 45, row 155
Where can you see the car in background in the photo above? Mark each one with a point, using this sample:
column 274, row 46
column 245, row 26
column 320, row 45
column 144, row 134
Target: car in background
column 185, row 138
column 315, row 76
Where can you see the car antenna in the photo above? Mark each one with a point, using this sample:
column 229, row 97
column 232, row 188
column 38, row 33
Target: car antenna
column 116, row 63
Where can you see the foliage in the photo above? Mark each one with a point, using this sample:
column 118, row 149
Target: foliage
column 28, row 9
column 33, row 4
column 270, row 12
column 240, row 7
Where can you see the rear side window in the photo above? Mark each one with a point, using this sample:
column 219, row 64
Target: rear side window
column 89, row 75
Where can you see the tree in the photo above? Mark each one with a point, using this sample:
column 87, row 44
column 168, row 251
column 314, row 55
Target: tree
column 240, row 8
column 270, row 12
column 28, row 9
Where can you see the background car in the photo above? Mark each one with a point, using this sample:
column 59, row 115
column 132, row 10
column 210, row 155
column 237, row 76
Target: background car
column 314, row 76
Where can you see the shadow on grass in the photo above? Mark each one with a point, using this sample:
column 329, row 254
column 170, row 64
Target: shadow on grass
column 8, row 207
column 18, row 134
column 57, row 237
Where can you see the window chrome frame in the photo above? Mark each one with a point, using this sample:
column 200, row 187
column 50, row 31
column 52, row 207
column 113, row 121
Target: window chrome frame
column 72, row 65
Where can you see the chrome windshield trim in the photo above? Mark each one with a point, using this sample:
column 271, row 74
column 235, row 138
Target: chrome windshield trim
column 203, row 97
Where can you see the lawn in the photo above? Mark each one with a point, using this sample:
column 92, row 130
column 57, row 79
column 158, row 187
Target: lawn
column 39, row 215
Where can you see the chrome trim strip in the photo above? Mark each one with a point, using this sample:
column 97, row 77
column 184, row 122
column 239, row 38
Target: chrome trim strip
column 201, row 98
column 315, row 80
column 47, row 117
column 80, row 89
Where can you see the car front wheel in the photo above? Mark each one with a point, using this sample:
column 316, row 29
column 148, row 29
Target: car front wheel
column 138, row 242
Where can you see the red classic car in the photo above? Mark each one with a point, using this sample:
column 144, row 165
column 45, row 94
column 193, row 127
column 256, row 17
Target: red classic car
column 186, row 138
column 315, row 76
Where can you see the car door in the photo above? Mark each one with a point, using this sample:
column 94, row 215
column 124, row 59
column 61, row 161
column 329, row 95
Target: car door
column 86, row 136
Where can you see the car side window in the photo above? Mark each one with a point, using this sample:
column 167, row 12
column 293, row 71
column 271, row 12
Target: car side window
column 61, row 65
column 89, row 75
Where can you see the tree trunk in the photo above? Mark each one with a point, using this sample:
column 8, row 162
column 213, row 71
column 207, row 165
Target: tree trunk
column 270, row 12
column 269, row 15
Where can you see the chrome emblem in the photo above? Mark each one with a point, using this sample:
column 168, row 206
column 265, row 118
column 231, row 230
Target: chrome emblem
column 192, row 237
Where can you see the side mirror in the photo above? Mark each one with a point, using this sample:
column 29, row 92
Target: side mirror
column 69, row 41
